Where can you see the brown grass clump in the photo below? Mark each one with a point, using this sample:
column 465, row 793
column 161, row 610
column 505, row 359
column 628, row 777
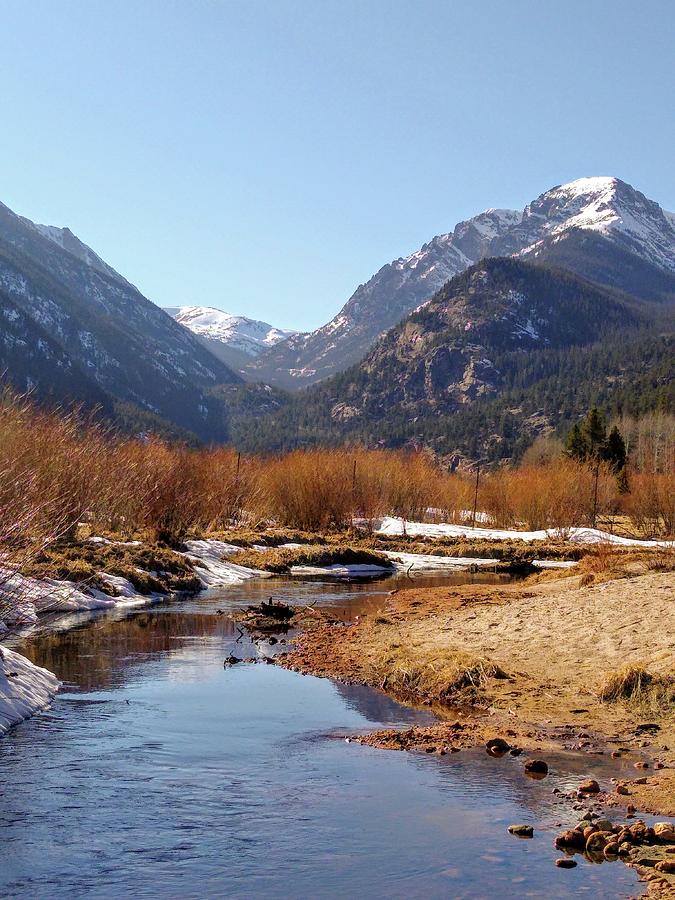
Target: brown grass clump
column 432, row 671
column 634, row 684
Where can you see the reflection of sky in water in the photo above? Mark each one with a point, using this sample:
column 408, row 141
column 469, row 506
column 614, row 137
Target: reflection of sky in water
column 168, row 775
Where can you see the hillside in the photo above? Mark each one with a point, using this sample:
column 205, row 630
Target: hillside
column 504, row 351
column 74, row 329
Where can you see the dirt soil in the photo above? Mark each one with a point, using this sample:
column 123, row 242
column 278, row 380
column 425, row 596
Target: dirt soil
column 556, row 642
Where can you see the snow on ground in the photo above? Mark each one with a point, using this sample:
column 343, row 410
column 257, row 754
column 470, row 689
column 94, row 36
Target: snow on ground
column 24, row 688
column 214, row 571
column 422, row 562
column 395, row 526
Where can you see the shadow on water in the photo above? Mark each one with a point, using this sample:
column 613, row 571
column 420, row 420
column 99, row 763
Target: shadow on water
column 159, row 772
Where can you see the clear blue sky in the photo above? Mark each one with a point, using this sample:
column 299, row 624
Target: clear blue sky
column 267, row 157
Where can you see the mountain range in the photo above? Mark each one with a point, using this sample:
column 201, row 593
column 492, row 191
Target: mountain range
column 600, row 228
column 505, row 351
column 510, row 324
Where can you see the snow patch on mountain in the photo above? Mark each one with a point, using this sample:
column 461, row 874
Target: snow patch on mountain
column 250, row 336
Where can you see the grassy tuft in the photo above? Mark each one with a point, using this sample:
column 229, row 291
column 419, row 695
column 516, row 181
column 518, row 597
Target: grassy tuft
column 634, row 684
column 438, row 672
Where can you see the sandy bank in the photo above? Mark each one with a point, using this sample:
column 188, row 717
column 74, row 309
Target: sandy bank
column 556, row 642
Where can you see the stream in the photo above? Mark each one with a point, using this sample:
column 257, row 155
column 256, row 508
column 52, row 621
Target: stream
column 158, row 772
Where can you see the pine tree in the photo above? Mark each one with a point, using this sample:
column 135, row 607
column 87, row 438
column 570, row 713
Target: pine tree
column 594, row 433
column 615, row 450
column 575, row 445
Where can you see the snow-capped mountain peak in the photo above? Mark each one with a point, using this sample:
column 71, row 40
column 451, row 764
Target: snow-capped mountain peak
column 249, row 336
column 608, row 207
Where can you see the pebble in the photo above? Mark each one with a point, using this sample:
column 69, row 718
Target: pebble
column 665, row 831
column 566, row 863
column 666, row 866
column 497, row 746
column 522, row 831
column 590, row 786
column 572, row 839
column 536, row 767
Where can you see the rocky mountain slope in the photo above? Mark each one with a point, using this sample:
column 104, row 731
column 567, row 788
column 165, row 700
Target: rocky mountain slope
column 601, row 228
column 503, row 351
column 71, row 328
column 233, row 339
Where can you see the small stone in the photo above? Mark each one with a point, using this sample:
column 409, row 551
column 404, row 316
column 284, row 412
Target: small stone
column 497, row 746
column 611, row 849
column 231, row 661
column 615, row 754
column 641, row 765
column 624, row 848
column 604, row 825
column 623, row 790
column 536, row 767
column 596, row 841
column 640, row 781
column 566, row 863
column 570, row 840
column 638, row 832
column 590, row 786
column 522, row 831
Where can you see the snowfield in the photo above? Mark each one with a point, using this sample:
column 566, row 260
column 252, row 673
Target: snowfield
column 396, row 526
column 248, row 335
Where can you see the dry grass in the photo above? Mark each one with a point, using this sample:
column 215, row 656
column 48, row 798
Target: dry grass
column 151, row 569
column 431, row 671
column 61, row 469
column 635, row 685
